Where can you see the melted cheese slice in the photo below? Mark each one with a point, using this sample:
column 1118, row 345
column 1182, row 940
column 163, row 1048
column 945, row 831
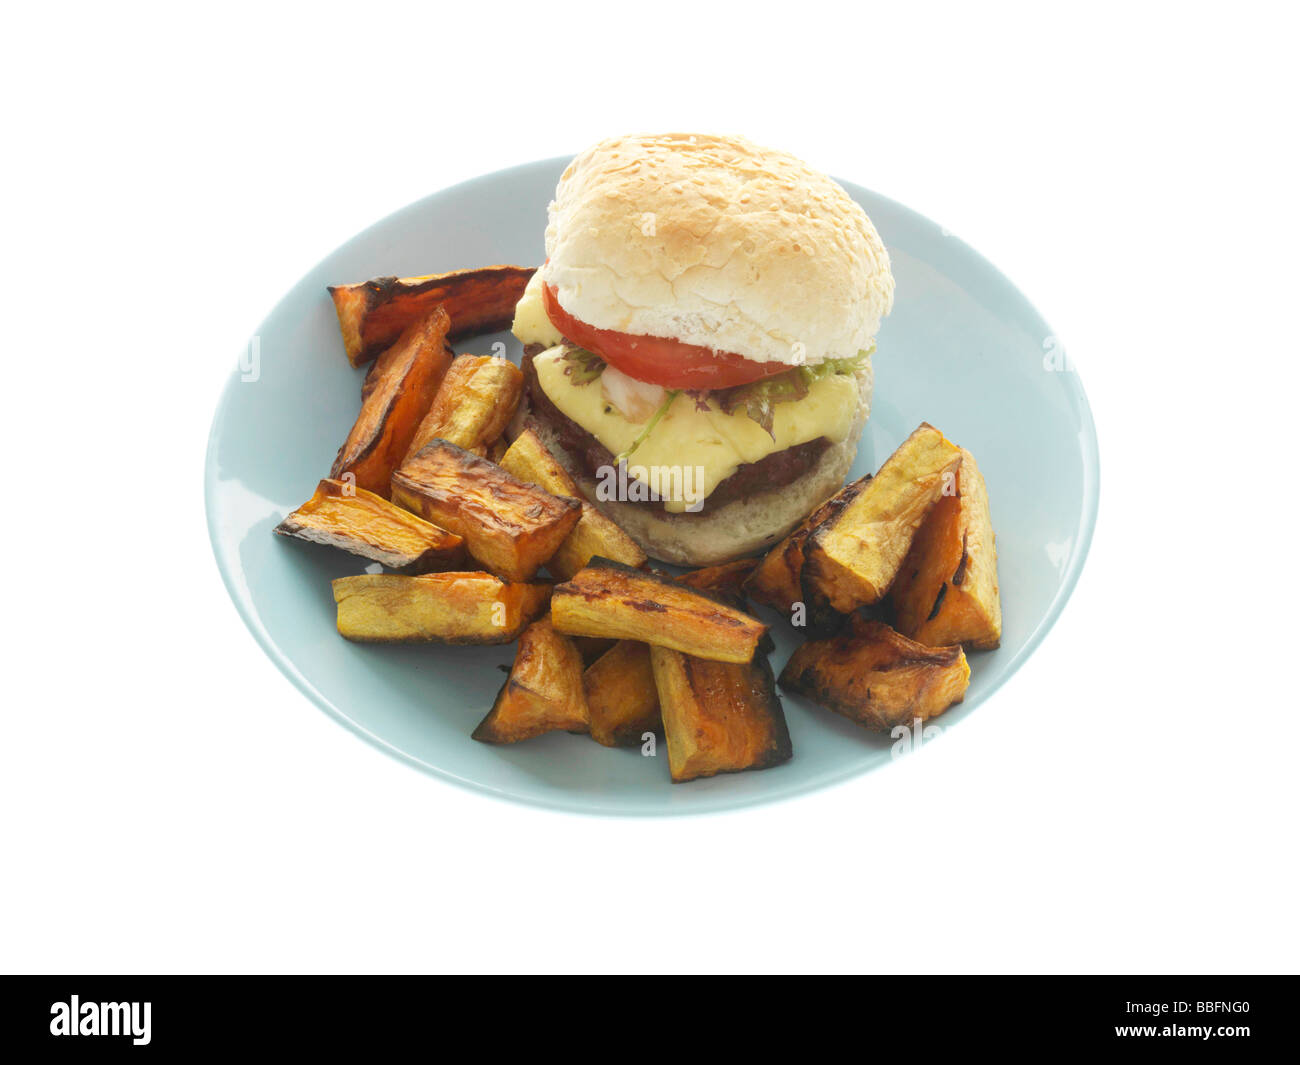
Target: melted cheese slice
column 532, row 326
column 708, row 442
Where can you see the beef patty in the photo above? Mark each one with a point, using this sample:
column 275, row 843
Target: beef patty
column 772, row 471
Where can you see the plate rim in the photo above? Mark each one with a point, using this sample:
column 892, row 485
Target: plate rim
column 1090, row 453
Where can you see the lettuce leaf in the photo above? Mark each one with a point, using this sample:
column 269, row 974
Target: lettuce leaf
column 582, row 366
column 852, row 364
column 759, row 398
column 623, row 456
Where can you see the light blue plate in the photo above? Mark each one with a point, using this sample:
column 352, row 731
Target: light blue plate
column 963, row 350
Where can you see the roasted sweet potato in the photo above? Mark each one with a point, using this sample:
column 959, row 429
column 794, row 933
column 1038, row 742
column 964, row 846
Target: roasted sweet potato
column 852, row 558
column 727, row 579
column 611, row 599
column 543, row 692
column 497, row 450
column 947, row 589
column 474, row 404
column 376, row 372
column 443, row 607
column 621, row 697
column 719, row 717
column 373, row 313
column 512, row 528
column 592, row 647
column 595, row 535
column 398, row 391
column 777, row 578
column 877, row 678
column 360, row 522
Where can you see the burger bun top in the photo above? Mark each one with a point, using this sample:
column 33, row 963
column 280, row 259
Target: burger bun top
column 717, row 242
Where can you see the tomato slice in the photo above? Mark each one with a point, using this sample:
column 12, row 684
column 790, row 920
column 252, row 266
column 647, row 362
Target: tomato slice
column 658, row 360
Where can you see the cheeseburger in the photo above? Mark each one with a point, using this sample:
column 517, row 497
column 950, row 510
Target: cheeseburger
column 698, row 343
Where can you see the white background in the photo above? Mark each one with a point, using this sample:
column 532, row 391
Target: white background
column 170, row 802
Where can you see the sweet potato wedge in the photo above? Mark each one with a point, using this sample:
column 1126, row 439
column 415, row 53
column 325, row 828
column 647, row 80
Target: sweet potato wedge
column 592, row 647
column 512, row 528
column 947, row 589
column 396, row 395
column 362, row 523
column 473, row 405
column 852, row 558
column 777, row 579
column 876, row 677
column 442, row 607
column 719, row 717
column 621, row 698
column 595, row 535
column 543, row 692
column 373, row 313
column 497, row 450
column 610, row 599
column 727, row 579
